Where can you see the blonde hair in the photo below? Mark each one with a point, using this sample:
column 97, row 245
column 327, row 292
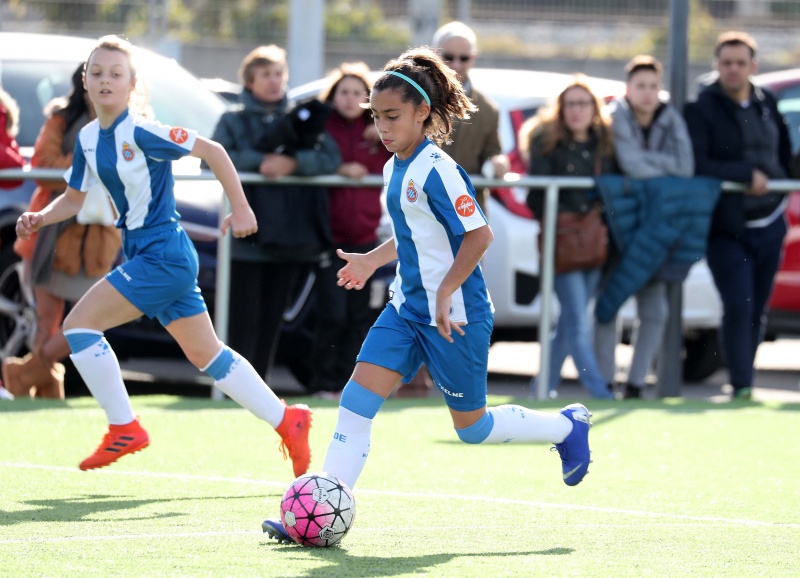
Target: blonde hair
column 117, row 44
column 549, row 123
column 262, row 56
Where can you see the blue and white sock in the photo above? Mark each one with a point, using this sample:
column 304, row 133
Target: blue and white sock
column 98, row 365
column 237, row 379
column 516, row 424
column 349, row 448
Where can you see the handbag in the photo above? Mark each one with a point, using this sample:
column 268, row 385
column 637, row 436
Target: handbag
column 581, row 241
column 581, row 238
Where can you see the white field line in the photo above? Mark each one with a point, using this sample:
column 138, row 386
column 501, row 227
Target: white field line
column 419, row 495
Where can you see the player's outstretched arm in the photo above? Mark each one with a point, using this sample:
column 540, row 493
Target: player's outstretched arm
column 242, row 219
column 361, row 266
column 62, row 208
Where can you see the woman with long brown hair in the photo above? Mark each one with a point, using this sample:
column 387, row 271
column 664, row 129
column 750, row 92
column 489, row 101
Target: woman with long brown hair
column 571, row 137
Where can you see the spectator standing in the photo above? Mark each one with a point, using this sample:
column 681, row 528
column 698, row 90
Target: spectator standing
column 64, row 261
column 571, row 137
column 269, row 135
column 346, row 316
column 650, row 140
column 738, row 135
column 475, row 143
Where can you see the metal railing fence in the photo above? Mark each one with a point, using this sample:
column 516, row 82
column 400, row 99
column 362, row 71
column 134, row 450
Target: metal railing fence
column 552, row 185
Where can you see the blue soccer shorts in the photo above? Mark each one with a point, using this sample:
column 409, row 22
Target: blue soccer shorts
column 159, row 275
column 458, row 368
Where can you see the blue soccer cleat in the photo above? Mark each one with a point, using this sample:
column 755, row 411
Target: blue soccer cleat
column 274, row 529
column 574, row 450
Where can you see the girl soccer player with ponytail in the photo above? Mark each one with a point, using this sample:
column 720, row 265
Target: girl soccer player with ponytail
column 129, row 158
column 439, row 311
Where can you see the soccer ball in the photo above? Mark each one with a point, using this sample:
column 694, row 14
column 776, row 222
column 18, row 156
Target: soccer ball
column 318, row 509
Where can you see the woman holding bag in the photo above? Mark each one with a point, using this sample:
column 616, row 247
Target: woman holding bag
column 571, row 137
column 64, row 261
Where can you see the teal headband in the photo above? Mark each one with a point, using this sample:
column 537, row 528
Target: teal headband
column 412, row 83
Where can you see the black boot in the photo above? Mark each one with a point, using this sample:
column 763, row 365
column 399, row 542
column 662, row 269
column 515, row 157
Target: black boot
column 631, row 392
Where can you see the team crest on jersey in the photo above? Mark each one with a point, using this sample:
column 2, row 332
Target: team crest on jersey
column 178, row 135
column 127, row 152
column 465, row 205
column 411, row 191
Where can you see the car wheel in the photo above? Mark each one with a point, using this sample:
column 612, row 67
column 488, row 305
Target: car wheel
column 702, row 355
column 17, row 313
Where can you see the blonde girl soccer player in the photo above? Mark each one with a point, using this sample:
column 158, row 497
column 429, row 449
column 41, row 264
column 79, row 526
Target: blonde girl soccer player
column 129, row 157
column 439, row 311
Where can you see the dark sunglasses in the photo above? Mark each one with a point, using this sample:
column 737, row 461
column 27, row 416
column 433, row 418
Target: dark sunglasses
column 451, row 57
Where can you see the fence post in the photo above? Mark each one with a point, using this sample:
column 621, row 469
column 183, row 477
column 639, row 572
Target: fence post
column 548, row 233
column 223, row 285
column 670, row 360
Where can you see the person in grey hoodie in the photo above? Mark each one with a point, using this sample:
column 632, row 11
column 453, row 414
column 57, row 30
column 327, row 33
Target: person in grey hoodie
column 650, row 140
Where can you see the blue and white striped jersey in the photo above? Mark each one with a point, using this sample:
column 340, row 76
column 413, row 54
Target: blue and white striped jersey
column 431, row 202
column 130, row 159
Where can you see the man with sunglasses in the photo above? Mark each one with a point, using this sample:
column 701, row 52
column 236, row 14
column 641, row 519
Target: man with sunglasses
column 476, row 142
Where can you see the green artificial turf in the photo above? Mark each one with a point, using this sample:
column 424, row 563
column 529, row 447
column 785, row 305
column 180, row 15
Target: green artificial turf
column 676, row 489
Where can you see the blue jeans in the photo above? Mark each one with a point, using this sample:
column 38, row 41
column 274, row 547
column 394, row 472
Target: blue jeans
column 744, row 270
column 573, row 334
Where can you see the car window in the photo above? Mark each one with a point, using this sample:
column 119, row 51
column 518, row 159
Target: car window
column 789, row 106
column 33, row 85
column 175, row 96
column 179, row 99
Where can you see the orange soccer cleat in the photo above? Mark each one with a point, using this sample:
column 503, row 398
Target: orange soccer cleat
column 119, row 441
column 294, row 437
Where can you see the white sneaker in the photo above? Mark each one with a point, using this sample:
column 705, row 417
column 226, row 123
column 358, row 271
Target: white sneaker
column 5, row 394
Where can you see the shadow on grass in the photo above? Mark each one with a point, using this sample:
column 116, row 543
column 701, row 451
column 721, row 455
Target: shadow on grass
column 339, row 562
column 77, row 509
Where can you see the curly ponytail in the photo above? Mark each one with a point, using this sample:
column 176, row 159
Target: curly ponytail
column 438, row 82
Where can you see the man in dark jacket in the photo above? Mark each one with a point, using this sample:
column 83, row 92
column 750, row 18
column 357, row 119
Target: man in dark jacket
column 265, row 134
column 738, row 135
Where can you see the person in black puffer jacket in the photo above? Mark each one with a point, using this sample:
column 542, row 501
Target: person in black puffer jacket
column 267, row 134
column 738, row 135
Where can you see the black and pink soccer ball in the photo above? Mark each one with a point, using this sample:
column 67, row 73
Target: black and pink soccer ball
column 317, row 510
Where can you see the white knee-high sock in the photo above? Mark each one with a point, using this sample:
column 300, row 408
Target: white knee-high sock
column 517, row 424
column 243, row 384
column 99, row 369
column 349, row 448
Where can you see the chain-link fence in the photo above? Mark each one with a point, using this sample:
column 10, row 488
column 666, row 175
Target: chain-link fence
column 567, row 35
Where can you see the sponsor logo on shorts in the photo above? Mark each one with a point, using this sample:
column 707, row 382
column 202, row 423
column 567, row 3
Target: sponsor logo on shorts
column 123, row 273
column 178, row 135
column 411, row 191
column 465, row 205
column 127, row 152
column 450, row 393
